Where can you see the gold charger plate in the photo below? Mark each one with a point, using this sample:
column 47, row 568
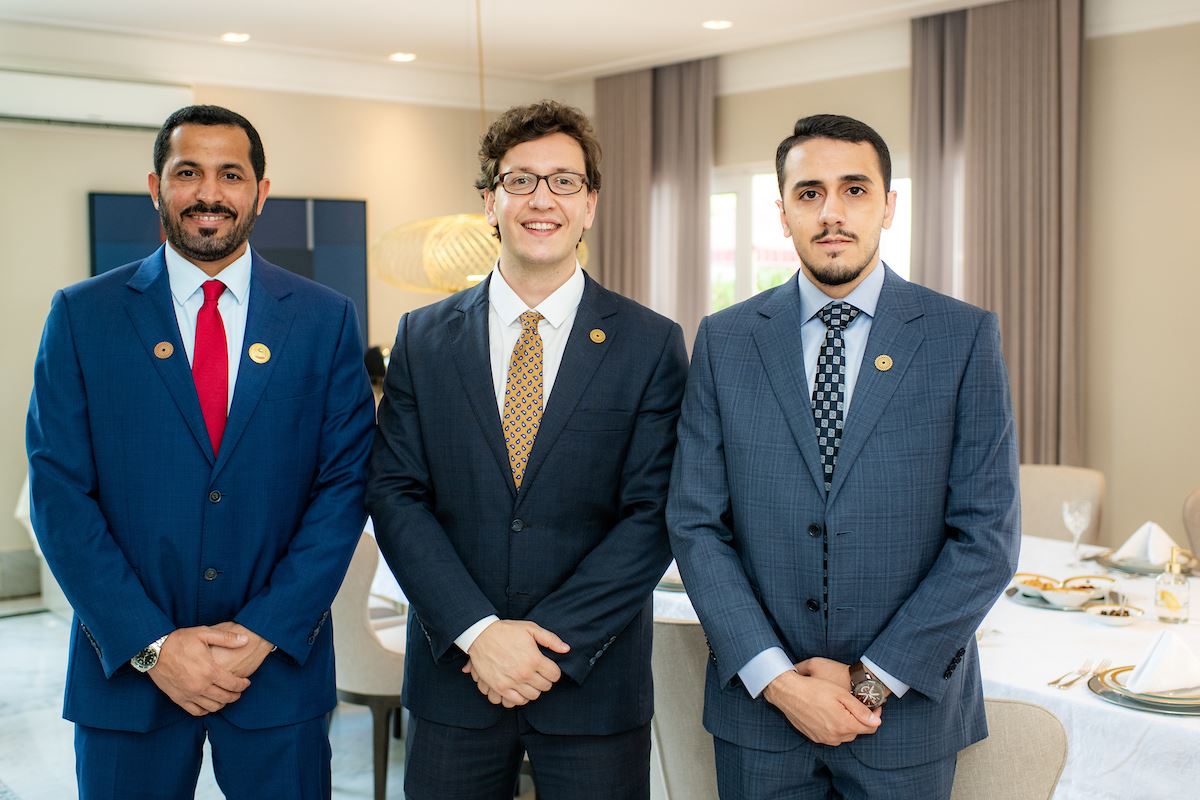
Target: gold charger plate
column 1117, row 680
column 1108, row 695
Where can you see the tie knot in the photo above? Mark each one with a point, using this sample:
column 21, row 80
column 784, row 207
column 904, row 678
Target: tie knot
column 837, row 315
column 212, row 291
column 529, row 320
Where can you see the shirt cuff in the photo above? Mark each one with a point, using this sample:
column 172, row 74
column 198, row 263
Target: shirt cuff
column 468, row 637
column 764, row 668
column 897, row 686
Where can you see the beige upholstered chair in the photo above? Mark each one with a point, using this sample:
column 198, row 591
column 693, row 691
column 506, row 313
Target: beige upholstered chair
column 685, row 748
column 1022, row 758
column 1191, row 520
column 1044, row 489
column 370, row 659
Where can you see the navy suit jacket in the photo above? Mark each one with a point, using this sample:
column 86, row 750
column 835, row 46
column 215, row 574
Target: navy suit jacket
column 148, row 532
column 921, row 522
column 578, row 550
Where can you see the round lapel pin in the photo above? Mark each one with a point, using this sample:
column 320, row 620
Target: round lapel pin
column 259, row 353
column 164, row 349
column 597, row 335
column 883, row 363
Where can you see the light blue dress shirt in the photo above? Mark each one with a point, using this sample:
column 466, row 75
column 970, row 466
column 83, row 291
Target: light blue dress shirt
column 773, row 662
column 187, row 297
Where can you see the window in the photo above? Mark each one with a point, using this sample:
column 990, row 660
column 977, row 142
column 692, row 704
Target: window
column 747, row 249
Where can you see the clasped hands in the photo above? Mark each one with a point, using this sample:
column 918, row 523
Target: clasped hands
column 204, row 669
column 507, row 665
column 815, row 697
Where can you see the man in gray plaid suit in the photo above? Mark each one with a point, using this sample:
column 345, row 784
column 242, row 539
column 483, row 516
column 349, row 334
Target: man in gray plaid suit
column 844, row 501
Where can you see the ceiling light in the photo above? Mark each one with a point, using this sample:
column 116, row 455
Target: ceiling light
column 717, row 24
column 402, row 58
column 235, row 38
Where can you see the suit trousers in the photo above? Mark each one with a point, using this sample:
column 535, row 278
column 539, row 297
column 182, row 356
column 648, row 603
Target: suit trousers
column 821, row 772
column 289, row 761
column 444, row 762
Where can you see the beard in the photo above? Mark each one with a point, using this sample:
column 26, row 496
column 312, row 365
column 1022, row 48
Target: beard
column 207, row 245
column 836, row 271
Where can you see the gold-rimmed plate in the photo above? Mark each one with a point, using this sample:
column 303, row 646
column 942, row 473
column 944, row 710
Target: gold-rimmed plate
column 1117, row 679
column 1110, row 695
column 1014, row 594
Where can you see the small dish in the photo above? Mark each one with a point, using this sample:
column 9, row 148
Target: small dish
column 1099, row 583
column 1032, row 584
column 1108, row 614
column 1068, row 596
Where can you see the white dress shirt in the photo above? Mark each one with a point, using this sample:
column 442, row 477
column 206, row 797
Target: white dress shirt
column 187, row 296
column 504, row 328
column 773, row 662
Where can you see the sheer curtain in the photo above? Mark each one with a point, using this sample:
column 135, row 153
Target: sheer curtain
column 1019, row 118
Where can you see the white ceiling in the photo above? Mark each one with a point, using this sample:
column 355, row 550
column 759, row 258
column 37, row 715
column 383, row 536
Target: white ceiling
column 542, row 40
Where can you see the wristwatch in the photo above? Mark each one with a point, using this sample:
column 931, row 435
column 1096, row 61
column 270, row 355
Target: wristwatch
column 145, row 660
column 871, row 691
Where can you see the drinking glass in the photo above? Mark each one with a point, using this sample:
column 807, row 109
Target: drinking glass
column 1076, row 515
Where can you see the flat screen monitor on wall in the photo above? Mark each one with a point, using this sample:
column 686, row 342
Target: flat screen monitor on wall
column 325, row 240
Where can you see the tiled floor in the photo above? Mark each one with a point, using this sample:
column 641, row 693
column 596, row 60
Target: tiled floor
column 36, row 757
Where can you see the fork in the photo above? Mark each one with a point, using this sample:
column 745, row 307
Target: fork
column 1103, row 665
column 1083, row 670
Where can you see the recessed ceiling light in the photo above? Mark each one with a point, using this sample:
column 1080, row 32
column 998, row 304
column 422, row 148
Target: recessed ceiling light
column 717, row 24
column 235, row 38
column 403, row 58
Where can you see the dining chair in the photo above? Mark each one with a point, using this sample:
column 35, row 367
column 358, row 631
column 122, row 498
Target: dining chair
column 369, row 658
column 1191, row 520
column 679, row 661
column 1021, row 759
column 1044, row 489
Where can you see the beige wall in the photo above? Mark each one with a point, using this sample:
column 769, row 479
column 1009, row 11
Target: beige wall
column 1141, row 206
column 752, row 124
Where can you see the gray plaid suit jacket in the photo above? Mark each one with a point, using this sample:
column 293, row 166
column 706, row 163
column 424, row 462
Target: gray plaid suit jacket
column 922, row 517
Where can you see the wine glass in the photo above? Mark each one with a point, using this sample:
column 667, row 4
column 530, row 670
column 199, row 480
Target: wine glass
column 1076, row 515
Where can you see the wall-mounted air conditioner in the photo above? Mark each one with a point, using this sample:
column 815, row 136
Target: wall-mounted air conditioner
column 46, row 97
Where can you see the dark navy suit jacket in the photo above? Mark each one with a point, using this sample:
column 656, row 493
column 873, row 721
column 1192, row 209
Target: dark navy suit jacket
column 147, row 531
column 921, row 522
column 578, row 550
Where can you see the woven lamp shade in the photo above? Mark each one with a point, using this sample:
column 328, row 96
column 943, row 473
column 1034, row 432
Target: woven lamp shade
column 440, row 254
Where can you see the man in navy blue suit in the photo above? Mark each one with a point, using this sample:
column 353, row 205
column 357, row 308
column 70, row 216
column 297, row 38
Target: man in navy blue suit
column 518, row 486
column 198, row 437
column 844, row 502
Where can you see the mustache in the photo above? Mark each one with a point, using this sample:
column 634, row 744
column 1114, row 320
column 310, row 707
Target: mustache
column 204, row 208
column 842, row 232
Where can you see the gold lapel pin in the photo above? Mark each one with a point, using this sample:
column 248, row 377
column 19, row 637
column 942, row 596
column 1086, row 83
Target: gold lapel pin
column 259, row 353
column 597, row 335
column 164, row 349
column 883, row 363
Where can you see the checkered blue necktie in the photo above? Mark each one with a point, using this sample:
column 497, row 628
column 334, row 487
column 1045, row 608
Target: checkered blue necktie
column 829, row 388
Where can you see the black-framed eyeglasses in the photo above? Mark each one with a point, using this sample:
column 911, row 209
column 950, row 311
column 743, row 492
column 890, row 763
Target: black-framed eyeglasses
column 526, row 182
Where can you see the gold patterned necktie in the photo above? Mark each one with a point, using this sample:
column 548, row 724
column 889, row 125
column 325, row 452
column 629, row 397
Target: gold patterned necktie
column 523, row 395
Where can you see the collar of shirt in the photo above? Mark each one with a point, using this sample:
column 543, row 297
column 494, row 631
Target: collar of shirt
column 186, row 278
column 865, row 296
column 557, row 308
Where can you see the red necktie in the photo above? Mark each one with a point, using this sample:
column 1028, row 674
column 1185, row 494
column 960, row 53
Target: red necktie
column 210, row 364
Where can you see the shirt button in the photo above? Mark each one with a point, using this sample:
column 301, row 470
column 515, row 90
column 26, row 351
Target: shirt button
column 814, row 530
column 214, row 496
column 813, row 605
column 517, row 526
column 210, row 574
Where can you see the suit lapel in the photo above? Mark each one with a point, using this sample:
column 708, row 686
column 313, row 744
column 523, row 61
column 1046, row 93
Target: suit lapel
column 580, row 359
column 152, row 312
column 268, row 321
column 472, row 358
column 891, row 335
column 782, row 354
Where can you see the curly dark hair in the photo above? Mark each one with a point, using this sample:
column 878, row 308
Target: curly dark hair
column 522, row 124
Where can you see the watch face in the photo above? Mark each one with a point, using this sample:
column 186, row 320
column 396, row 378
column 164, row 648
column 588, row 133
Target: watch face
column 145, row 660
column 870, row 693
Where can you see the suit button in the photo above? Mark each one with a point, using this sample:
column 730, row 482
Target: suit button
column 517, row 526
column 210, row 574
column 813, row 605
column 962, row 651
column 947, row 674
column 814, row 530
column 214, row 496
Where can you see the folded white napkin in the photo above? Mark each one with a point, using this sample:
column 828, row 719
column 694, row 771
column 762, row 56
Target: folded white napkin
column 1170, row 664
column 1148, row 543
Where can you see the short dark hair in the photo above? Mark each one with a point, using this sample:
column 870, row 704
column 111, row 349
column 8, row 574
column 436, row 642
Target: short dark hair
column 522, row 124
column 208, row 115
column 834, row 126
